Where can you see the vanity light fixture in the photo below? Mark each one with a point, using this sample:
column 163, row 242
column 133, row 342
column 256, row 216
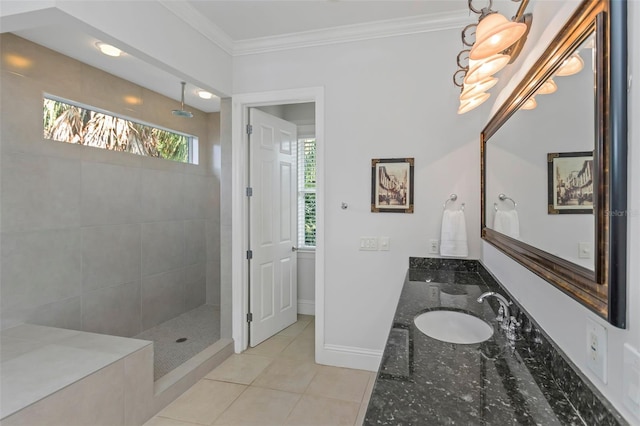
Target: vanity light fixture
column 494, row 34
column 497, row 43
column 547, row 88
column 572, row 65
column 204, row 94
column 471, row 90
column 529, row 104
column 469, row 104
column 108, row 49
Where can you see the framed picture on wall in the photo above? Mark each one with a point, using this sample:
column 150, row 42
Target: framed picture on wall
column 392, row 185
column 570, row 182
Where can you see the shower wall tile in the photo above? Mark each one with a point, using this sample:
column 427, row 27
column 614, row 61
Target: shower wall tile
column 162, row 297
column 40, row 267
column 110, row 194
column 39, row 192
column 62, row 314
column 213, row 283
column 196, row 247
column 195, row 286
column 98, row 399
column 162, row 197
column 213, row 240
column 113, row 310
column 138, row 386
column 194, row 190
column 163, row 247
column 110, row 255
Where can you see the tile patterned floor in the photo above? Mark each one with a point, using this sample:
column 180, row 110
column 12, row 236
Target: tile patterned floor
column 277, row 383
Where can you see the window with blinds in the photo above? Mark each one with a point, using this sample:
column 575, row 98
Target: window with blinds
column 306, row 193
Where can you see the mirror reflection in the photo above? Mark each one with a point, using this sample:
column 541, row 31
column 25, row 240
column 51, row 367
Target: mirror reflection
column 539, row 165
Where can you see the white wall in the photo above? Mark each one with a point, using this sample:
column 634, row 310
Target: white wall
column 384, row 98
column 561, row 317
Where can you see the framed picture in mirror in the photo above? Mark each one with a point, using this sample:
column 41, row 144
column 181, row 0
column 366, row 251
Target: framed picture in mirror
column 570, row 179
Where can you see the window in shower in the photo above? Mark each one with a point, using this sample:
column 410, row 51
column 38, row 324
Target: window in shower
column 67, row 121
column 307, row 193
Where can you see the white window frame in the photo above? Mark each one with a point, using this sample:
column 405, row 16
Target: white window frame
column 304, row 134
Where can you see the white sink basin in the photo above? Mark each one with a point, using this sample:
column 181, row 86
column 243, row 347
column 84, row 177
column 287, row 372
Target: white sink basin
column 453, row 327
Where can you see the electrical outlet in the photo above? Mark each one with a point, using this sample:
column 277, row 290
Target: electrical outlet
column 368, row 243
column 433, row 246
column 597, row 349
column 584, row 250
column 383, row 243
column 631, row 379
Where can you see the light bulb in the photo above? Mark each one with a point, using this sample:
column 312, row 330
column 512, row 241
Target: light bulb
column 108, row 49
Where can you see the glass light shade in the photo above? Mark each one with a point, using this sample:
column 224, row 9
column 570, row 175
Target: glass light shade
column 494, row 34
column 469, row 104
column 572, row 65
column 471, row 90
column 204, row 94
column 530, row 103
column 479, row 70
column 108, row 49
column 547, row 88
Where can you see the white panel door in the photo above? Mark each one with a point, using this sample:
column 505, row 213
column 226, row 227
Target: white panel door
column 273, row 298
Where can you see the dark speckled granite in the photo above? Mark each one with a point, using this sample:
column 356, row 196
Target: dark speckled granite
column 423, row 381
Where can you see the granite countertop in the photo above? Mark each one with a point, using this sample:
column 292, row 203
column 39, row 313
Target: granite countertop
column 424, row 381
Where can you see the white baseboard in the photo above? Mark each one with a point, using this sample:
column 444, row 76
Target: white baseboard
column 349, row 357
column 306, row 307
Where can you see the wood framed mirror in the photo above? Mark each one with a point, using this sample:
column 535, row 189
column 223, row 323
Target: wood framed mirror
column 554, row 161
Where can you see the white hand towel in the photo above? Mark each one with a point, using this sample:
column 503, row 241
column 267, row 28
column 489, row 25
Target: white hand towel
column 507, row 222
column 453, row 237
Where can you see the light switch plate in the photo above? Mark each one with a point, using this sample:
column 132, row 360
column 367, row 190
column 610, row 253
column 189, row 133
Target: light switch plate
column 434, row 247
column 369, row 243
column 631, row 379
column 584, row 251
column 596, row 346
column 383, row 243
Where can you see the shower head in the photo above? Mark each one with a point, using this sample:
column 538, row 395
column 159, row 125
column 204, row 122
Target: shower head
column 182, row 112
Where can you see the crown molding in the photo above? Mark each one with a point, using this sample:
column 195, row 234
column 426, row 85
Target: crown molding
column 351, row 33
column 198, row 22
column 342, row 34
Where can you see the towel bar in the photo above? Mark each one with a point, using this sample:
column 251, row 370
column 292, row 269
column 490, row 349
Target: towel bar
column 503, row 197
column 452, row 197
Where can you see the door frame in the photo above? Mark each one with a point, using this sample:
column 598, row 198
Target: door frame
column 239, row 205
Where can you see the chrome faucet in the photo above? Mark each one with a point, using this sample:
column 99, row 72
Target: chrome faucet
column 503, row 312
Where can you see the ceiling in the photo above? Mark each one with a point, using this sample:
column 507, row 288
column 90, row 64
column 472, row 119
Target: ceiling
column 239, row 20
column 243, row 20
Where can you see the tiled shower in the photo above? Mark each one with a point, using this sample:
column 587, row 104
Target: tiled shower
column 96, row 240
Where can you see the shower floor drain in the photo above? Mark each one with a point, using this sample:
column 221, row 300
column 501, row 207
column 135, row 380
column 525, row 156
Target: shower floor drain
column 182, row 339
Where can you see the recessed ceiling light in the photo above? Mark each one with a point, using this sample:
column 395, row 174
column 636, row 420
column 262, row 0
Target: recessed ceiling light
column 108, row 49
column 204, row 94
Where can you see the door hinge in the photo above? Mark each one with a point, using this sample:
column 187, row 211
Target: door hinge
column 249, row 254
column 249, row 129
column 249, row 317
column 249, row 191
